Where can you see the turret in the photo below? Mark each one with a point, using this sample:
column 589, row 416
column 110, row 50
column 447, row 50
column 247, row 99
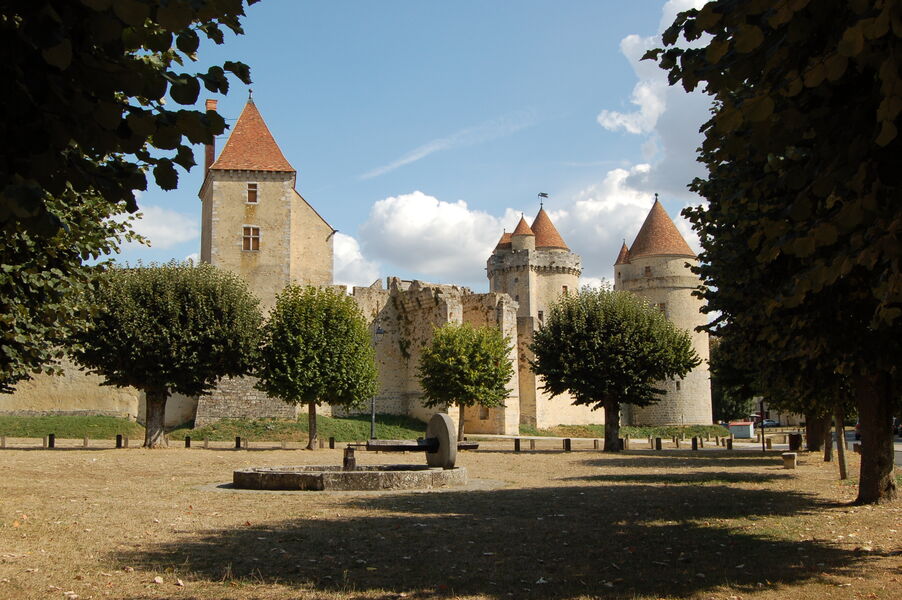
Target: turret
column 523, row 237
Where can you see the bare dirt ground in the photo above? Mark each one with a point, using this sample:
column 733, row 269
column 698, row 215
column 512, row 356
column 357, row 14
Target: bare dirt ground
column 132, row 523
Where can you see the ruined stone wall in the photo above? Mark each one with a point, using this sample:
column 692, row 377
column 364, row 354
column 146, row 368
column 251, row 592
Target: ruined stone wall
column 236, row 398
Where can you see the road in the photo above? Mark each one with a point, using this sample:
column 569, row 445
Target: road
column 850, row 437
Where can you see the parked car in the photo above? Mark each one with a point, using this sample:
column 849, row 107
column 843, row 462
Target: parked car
column 769, row 423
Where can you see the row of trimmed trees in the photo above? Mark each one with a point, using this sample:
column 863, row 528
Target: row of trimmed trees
column 177, row 328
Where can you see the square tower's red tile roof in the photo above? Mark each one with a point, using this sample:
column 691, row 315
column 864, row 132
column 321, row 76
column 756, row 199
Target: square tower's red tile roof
column 505, row 241
column 659, row 236
column 251, row 146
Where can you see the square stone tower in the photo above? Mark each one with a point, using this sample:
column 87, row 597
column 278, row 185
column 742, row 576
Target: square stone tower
column 254, row 222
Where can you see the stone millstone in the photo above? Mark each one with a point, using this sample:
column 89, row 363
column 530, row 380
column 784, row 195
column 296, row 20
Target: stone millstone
column 441, row 427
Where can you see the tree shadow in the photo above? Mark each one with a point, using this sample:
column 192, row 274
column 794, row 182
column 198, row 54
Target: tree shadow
column 555, row 542
column 698, row 477
column 686, row 458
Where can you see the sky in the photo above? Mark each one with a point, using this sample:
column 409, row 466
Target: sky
column 422, row 130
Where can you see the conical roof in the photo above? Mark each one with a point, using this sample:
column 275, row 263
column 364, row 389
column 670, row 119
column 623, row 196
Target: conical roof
column 504, row 242
column 547, row 235
column 522, row 228
column 251, row 147
column 624, row 256
column 659, row 236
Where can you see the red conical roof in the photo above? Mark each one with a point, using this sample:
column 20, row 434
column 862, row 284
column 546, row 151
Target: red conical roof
column 547, row 235
column 251, row 146
column 504, row 242
column 522, row 228
column 624, row 256
column 659, row 236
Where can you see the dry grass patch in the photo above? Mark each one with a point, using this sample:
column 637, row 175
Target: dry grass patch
column 106, row 523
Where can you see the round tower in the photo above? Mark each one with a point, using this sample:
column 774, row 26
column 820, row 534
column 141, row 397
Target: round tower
column 657, row 268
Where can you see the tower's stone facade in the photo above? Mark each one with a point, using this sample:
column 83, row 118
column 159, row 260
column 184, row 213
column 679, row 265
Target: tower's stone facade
column 657, row 268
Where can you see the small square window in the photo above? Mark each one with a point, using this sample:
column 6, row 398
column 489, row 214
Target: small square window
column 251, row 238
column 251, row 193
column 648, row 271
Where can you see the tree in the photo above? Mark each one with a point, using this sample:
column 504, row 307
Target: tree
column 169, row 329
column 316, row 348
column 467, row 366
column 609, row 348
column 83, row 118
column 85, row 112
column 732, row 388
column 44, row 281
column 801, row 254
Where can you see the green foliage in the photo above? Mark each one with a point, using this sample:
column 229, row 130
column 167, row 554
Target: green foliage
column 467, row 366
column 68, row 426
column 343, row 429
column 85, row 110
column 636, row 433
column 44, row 279
column 316, row 348
column 732, row 388
column 802, row 258
column 602, row 345
column 172, row 327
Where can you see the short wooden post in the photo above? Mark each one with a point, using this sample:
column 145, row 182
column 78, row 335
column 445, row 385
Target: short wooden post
column 284, row 444
column 2, row 441
column 626, row 443
column 657, row 443
column 596, row 443
column 790, row 460
column 187, row 441
column 247, row 443
column 118, row 440
column 322, row 443
column 51, row 440
column 769, row 443
column 125, row 441
column 332, row 443
column 701, row 442
column 621, row 443
column 567, row 445
column 676, row 442
column 729, row 443
column 237, row 442
column 84, row 442
column 349, row 463
column 206, row 443
column 532, row 444
column 516, row 444
column 856, row 447
column 795, row 442
column 694, row 443
column 44, row 442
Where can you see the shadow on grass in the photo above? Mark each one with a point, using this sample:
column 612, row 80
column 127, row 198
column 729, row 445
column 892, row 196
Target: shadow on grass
column 561, row 542
column 699, row 477
column 686, row 458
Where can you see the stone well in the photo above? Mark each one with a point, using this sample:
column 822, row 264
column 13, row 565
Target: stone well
column 362, row 478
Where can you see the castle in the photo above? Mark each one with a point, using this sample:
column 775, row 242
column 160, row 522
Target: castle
column 256, row 224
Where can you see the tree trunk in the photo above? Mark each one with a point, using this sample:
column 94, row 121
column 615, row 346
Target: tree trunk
column 841, row 443
column 816, row 428
column 311, row 426
column 876, row 482
column 460, row 424
column 611, row 425
column 155, row 417
column 829, row 440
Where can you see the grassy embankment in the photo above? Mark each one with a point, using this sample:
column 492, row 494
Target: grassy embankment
column 597, row 431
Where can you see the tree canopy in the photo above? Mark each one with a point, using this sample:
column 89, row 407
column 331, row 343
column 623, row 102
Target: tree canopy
column 317, row 348
column 466, row 366
column 169, row 329
column 609, row 348
column 801, row 233
column 85, row 111
column 44, row 282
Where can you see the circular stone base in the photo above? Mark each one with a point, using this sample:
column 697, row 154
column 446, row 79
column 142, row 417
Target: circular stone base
column 364, row 477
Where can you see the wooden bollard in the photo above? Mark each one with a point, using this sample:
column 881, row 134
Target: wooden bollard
column 694, row 443
column 795, row 442
column 596, row 444
column 44, row 442
column 206, row 443
column 516, row 444
column 2, row 441
column 237, row 442
column 284, row 444
column 621, row 443
column 701, row 442
column 790, row 460
column 125, row 441
column 332, row 443
column 567, row 447
column 532, row 444
column 247, row 443
column 658, row 443
column 51, row 440
column 769, row 444
column 118, row 440
column 729, row 443
column 85, row 442
column 676, row 442
column 322, row 443
column 626, row 443
column 856, row 447
column 187, row 441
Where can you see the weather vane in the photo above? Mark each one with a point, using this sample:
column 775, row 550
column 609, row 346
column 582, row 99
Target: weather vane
column 542, row 195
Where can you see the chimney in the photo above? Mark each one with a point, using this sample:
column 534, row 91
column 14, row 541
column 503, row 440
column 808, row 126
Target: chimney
column 210, row 149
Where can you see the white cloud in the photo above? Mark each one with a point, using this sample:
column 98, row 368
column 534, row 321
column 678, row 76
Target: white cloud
column 166, row 228
column 484, row 132
column 350, row 267
column 194, row 257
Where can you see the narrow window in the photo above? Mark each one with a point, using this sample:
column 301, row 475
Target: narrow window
column 517, row 297
column 648, row 271
column 251, row 238
column 618, row 274
column 678, row 385
column 565, row 290
column 252, row 193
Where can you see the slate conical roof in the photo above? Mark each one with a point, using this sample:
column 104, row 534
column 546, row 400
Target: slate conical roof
column 547, row 235
column 251, row 147
column 624, row 256
column 659, row 236
column 504, row 242
column 522, row 228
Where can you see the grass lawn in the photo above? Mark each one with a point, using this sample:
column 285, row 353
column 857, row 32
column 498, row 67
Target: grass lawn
column 68, row 427
column 597, row 431
column 638, row 525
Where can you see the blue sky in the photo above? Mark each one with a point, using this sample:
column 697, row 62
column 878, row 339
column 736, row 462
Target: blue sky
column 420, row 130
